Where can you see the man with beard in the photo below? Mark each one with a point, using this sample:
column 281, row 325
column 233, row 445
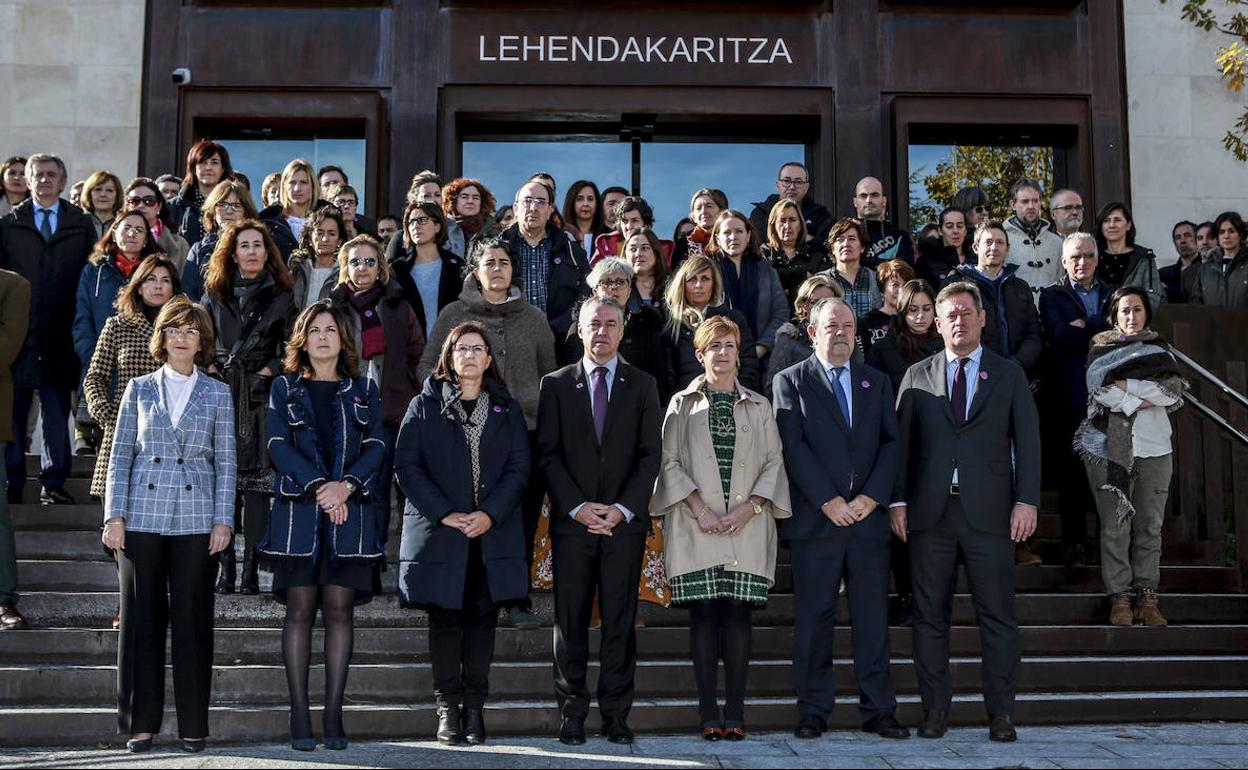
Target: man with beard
column 1037, row 249
column 887, row 241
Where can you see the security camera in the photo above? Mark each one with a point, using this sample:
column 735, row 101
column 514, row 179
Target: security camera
column 181, row 76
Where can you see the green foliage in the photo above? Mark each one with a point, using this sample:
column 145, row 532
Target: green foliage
column 1231, row 60
column 992, row 169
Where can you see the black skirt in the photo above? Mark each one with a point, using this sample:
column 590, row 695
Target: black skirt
column 357, row 574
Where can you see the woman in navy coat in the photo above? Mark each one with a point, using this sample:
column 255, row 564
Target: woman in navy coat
column 463, row 464
column 325, row 441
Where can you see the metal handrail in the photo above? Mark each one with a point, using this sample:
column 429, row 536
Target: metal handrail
column 1217, row 419
column 1212, row 378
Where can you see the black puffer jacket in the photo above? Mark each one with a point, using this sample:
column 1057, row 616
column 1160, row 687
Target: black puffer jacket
column 186, row 213
column 683, row 359
column 808, row 259
column 819, row 220
column 279, row 228
column 937, row 261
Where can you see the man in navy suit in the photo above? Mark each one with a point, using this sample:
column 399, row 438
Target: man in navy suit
column 839, row 429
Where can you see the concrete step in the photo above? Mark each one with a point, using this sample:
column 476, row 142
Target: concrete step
column 80, row 488
column 84, row 545
column 256, row 646
column 96, row 609
column 82, row 467
column 43, row 726
column 55, row 684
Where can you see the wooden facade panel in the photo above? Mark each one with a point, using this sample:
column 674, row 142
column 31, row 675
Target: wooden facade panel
column 984, row 53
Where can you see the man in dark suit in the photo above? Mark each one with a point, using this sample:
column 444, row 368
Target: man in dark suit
column 1072, row 311
column 46, row 240
column 969, row 481
column 598, row 436
column 839, row 429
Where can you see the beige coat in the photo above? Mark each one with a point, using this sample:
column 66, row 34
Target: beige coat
column 689, row 464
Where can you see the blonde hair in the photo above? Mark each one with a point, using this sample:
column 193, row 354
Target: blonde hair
column 679, row 311
column 292, row 168
column 344, row 256
column 805, row 298
column 773, row 219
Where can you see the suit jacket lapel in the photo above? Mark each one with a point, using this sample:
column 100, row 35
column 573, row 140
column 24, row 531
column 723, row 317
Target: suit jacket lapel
column 582, row 393
column 940, row 385
column 158, row 398
column 819, row 379
column 987, row 382
column 860, row 385
column 193, row 406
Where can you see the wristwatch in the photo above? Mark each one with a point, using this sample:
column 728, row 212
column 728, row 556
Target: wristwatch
column 758, row 509
column 350, row 487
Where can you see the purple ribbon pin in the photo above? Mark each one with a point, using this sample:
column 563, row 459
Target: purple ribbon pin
column 983, row 375
column 866, row 384
column 558, row 260
column 498, row 409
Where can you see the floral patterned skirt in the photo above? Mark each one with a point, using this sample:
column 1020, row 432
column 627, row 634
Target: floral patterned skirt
column 653, row 587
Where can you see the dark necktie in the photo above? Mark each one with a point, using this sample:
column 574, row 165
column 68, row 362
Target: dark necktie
column 45, row 229
column 957, row 396
column 841, row 399
column 600, row 401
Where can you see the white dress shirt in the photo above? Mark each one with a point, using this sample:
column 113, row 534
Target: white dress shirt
column 589, row 366
column 176, row 389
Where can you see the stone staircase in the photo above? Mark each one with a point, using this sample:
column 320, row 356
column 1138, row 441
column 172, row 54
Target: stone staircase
column 58, row 679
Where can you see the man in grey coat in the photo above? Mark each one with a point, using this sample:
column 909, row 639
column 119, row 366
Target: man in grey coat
column 969, row 480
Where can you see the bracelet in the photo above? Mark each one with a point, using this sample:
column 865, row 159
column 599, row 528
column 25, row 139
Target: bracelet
column 758, row 509
column 702, row 512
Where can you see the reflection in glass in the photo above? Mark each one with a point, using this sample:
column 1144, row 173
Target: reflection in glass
column 504, row 166
column 938, row 171
column 257, row 158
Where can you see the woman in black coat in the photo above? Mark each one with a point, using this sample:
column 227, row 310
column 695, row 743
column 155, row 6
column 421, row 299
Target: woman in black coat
column 247, row 293
column 913, row 339
column 463, row 463
column 431, row 275
column 939, row 255
column 694, row 294
column 207, row 165
column 642, row 345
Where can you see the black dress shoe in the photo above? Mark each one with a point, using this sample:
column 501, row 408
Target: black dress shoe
column 56, row 496
column 1001, row 729
column 808, row 731
column 193, row 745
column 886, row 726
column 139, row 745
column 572, row 732
column 618, row 732
column 474, row 727
column 449, row 731
column 10, row 618
column 935, row 724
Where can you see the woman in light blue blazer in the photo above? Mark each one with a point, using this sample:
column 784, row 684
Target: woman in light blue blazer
column 168, row 509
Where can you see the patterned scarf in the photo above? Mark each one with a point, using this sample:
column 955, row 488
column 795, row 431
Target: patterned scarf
column 372, row 335
column 474, row 425
column 1106, row 437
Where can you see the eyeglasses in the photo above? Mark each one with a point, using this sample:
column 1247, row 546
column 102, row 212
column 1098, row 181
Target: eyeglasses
column 143, row 200
column 1071, row 207
column 342, row 203
column 133, row 230
column 613, row 283
column 174, row 332
column 468, row 350
column 362, row 262
column 421, row 220
column 984, row 209
column 787, row 182
column 532, row 203
column 229, row 207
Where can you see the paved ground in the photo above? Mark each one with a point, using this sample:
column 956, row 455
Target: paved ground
column 1110, row 746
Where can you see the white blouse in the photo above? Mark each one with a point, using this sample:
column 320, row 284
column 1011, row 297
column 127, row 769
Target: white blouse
column 177, row 390
column 1151, row 431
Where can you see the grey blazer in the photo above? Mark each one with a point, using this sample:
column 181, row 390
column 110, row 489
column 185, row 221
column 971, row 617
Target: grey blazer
column 1002, row 418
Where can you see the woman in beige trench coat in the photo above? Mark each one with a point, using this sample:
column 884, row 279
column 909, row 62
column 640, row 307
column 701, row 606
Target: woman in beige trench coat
column 721, row 488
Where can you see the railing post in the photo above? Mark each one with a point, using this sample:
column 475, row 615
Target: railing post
column 1237, row 378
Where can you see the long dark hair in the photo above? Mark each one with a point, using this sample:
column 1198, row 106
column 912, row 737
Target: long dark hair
column 599, row 223
column 1101, row 244
column 909, row 344
column 297, row 361
column 446, row 371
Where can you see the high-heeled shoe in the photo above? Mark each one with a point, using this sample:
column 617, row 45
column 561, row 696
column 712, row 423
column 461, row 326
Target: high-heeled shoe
column 333, row 742
column 301, row 744
column 139, row 745
column 336, row 742
column 194, row 745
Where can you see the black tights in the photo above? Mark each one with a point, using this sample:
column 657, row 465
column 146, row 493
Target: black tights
column 720, row 629
column 337, row 605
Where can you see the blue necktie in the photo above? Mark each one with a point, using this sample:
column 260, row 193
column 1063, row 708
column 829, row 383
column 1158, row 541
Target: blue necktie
column 46, row 228
column 841, row 399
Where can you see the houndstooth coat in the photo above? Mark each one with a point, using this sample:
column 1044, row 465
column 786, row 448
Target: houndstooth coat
column 121, row 354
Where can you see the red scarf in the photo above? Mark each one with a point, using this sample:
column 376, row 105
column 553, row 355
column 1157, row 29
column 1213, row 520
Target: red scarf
column 124, row 265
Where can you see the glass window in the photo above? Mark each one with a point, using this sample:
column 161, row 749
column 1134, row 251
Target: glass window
column 672, row 172
column 257, row 158
column 938, row 171
column 504, row 166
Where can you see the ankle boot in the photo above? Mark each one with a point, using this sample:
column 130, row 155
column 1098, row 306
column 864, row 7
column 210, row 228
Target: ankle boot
column 450, row 732
column 1120, row 609
column 251, row 574
column 474, row 727
column 1147, row 609
column 227, row 570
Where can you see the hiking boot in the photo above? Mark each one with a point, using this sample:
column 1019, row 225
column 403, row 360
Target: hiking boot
column 1147, row 610
column 1120, row 610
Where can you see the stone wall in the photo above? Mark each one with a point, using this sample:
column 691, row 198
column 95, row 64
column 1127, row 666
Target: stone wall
column 71, row 82
column 1178, row 111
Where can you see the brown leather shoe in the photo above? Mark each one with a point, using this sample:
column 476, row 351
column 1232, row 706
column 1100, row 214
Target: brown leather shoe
column 1147, row 610
column 1120, row 610
column 10, row 618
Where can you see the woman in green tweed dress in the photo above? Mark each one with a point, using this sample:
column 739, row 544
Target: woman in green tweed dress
column 721, row 487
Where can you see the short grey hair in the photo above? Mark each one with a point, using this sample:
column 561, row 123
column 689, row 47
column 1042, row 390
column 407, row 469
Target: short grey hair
column 610, row 266
column 42, row 157
column 825, row 305
column 588, row 305
column 1074, row 239
column 1023, row 184
column 961, row 287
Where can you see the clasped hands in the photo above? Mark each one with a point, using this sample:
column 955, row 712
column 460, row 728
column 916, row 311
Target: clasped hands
column 844, row 514
column 473, row 524
column 599, row 519
column 730, row 523
column 331, row 497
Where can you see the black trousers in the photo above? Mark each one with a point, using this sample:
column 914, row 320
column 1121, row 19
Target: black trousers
column 165, row 581
column 461, row 642
column 819, row 566
column 989, row 560
column 611, row 566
